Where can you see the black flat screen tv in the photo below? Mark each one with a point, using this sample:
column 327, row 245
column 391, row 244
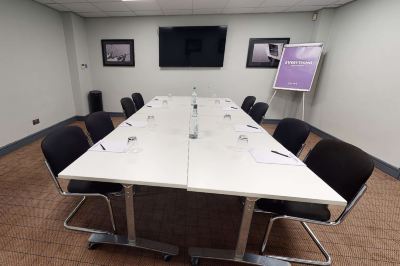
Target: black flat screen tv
column 192, row 46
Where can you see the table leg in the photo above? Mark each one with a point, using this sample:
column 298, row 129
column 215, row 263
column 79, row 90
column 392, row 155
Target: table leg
column 131, row 240
column 239, row 254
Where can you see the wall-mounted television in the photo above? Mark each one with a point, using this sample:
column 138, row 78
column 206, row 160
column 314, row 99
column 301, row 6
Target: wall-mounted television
column 196, row 46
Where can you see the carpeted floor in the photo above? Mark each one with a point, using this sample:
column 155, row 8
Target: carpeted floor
column 32, row 214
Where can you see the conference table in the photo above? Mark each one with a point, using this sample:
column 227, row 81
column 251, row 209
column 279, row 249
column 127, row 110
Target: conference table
column 212, row 163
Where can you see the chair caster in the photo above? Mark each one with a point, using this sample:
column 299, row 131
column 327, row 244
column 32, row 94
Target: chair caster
column 194, row 261
column 167, row 257
column 91, row 245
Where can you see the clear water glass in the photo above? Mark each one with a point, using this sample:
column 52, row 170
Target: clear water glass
column 217, row 101
column 169, row 96
column 133, row 145
column 242, row 142
column 151, row 121
column 165, row 103
column 227, row 118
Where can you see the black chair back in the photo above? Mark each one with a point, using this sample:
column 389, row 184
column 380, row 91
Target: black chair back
column 258, row 111
column 63, row 146
column 292, row 134
column 138, row 100
column 344, row 167
column 248, row 103
column 128, row 106
column 99, row 125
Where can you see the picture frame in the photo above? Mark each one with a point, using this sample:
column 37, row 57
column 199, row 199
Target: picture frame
column 118, row 52
column 265, row 52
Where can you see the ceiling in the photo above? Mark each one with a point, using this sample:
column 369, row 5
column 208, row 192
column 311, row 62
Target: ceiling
column 114, row 8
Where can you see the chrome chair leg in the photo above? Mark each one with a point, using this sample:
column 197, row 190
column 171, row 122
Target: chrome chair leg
column 88, row 230
column 328, row 261
column 111, row 213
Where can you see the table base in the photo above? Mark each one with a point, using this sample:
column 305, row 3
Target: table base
column 229, row 255
column 166, row 249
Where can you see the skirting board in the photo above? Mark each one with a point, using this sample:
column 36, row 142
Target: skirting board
column 35, row 136
column 380, row 164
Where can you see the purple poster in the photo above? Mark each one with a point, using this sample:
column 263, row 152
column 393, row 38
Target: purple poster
column 298, row 67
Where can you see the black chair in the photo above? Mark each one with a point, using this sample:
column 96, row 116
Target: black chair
column 248, row 102
column 99, row 125
column 346, row 169
column 138, row 100
column 62, row 147
column 292, row 134
column 128, row 106
column 258, row 111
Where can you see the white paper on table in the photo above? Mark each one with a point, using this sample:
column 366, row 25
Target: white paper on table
column 130, row 123
column 245, row 128
column 230, row 108
column 116, row 146
column 266, row 156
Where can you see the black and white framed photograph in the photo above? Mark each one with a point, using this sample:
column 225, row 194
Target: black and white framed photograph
column 118, row 52
column 265, row 52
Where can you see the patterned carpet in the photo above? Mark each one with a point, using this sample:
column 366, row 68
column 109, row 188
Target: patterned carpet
column 32, row 214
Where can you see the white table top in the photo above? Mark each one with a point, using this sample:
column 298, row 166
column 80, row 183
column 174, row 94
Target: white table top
column 208, row 164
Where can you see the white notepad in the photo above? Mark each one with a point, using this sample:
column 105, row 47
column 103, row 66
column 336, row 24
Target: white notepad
column 245, row 128
column 110, row 146
column 130, row 123
column 266, row 156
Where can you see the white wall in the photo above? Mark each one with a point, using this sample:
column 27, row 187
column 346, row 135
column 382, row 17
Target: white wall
column 34, row 75
column 233, row 80
column 358, row 97
column 77, row 51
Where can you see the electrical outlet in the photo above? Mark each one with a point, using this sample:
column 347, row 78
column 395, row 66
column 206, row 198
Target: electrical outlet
column 35, row 121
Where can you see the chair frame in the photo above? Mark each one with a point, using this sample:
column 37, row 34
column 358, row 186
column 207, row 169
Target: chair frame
column 84, row 196
column 304, row 222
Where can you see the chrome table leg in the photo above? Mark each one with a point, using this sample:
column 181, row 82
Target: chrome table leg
column 131, row 240
column 239, row 254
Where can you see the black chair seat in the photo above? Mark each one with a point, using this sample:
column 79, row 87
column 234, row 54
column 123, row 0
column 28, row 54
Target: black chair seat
column 78, row 186
column 313, row 211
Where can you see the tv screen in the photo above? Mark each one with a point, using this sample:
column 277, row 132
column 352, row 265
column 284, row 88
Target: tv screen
column 192, row 46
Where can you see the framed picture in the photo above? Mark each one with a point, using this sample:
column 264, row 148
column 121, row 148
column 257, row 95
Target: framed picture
column 118, row 52
column 265, row 52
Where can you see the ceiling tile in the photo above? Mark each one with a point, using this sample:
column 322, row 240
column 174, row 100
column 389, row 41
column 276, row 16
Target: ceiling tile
column 239, row 10
column 209, row 4
column 149, row 13
column 270, row 9
column 92, row 14
column 81, row 7
column 46, row 1
column 301, row 8
column 120, row 14
column 112, row 6
column 280, row 2
column 178, row 12
column 317, row 2
column 142, row 5
column 70, row 1
column 175, row 4
column 59, row 7
column 207, row 11
column 244, row 3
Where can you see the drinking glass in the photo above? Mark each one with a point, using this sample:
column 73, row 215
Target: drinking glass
column 133, row 145
column 169, row 96
column 165, row 103
column 217, row 101
column 227, row 118
column 151, row 121
column 242, row 142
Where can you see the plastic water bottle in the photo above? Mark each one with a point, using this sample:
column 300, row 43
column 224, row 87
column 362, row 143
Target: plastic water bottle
column 194, row 126
column 194, row 96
